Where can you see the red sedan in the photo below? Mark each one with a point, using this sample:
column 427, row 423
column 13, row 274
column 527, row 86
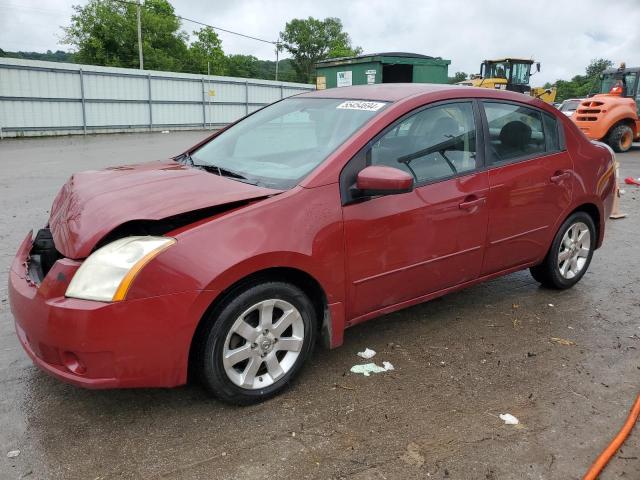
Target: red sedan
column 309, row 216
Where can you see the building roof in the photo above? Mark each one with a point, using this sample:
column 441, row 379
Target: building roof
column 382, row 54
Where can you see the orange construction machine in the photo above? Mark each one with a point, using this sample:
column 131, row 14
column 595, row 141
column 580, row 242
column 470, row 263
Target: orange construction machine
column 613, row 115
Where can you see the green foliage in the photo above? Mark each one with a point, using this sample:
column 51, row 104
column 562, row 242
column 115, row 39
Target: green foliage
column 104, row 32
column 597, row 66
column 206, row 48
column 458, row 77
column 581, row 86
column 248, row 66
column 49, row 56
column 311, row 40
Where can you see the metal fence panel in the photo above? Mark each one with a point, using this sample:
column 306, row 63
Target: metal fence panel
column 105, row 114
column 177, row 114
column 48, row 98
column 166, row 89
column 33, row 83
column 34, row 115
column 114, row 88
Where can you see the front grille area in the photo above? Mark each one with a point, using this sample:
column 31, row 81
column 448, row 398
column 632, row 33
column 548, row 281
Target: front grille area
column 42, row 256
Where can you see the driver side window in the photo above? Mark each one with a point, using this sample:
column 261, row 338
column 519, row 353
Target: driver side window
column 434, row 144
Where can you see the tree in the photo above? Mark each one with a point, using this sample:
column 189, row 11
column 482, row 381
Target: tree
column 245, row 66
column 206, row 48
column 458, row 77
column 104, row 32
column 581, row 86
column 597, row 66
column 311, row 40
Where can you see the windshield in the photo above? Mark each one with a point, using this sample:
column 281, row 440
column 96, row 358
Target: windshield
column 279, row 145
column 516, row 73
column 521, row 73
column 498, row 70
column 569, row 105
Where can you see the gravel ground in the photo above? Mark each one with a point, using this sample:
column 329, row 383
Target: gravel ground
column 460, row 361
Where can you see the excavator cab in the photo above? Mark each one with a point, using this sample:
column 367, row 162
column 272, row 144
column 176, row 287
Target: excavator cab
column 510, row 74
column 515, row 73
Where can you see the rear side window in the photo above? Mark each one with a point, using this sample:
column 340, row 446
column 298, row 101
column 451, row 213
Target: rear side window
column 551, row 133
column 515, row 132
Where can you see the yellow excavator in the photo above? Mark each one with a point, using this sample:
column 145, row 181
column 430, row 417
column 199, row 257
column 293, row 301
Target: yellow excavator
column 510, row 74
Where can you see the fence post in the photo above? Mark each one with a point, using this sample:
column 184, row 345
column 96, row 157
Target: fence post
column 204, row 108
column 246, row 97
column 84, row 111
column 281, row 92
column 150, row 106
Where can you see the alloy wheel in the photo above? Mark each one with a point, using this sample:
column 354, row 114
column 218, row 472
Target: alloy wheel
column 574, row 250
column 263, row 344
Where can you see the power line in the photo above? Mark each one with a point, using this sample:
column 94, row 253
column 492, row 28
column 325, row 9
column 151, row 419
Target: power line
column 128, row 2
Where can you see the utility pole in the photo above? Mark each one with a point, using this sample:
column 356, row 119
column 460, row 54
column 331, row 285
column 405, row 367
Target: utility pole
column 140, row 38
column 277, row 53
column 209, row 92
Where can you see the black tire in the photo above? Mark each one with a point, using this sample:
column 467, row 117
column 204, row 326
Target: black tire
column 620, row 138
column 213, row 336
column 548, row 273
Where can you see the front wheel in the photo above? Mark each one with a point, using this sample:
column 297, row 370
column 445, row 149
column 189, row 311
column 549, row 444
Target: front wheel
column 256, row 342
column 570, row 254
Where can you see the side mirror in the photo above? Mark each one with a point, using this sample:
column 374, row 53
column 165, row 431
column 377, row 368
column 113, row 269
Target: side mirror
column 380, row 180
column 538, row 66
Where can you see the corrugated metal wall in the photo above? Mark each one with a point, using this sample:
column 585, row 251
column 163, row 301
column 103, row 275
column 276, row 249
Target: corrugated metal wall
column 48, row 98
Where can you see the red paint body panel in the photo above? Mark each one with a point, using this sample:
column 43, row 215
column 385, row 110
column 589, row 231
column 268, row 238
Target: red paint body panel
column 93, row 203
column 404, row 246
column 369, row 257
column 524, row 207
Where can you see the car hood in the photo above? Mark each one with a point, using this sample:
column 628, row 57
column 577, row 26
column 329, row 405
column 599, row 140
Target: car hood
column 91, row 204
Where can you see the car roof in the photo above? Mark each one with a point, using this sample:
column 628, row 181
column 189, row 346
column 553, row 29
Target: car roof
column 388, row 92
column 394, row 92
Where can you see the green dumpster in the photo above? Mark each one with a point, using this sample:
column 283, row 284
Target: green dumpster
column 391, row 67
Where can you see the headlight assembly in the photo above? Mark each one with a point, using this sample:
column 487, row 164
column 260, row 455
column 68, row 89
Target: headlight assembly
column 107, row 273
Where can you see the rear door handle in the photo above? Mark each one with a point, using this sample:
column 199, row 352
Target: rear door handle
column 471, row 202
column 560, row 176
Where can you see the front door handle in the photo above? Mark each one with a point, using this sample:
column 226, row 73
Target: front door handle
column 560, row 176
column 471, row 202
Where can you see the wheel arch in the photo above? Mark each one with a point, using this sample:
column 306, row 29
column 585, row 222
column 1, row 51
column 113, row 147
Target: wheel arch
column 295, row 276
column 593, row 211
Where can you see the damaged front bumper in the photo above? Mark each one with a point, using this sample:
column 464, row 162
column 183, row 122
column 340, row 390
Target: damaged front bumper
column 132, row 343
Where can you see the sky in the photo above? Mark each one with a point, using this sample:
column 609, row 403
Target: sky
column 564, row 35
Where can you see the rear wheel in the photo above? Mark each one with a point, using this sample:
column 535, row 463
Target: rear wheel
column 620, row 138
column 256, row 342
column 570, row 254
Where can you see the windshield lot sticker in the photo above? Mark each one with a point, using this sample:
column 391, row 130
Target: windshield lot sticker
column 358, row 105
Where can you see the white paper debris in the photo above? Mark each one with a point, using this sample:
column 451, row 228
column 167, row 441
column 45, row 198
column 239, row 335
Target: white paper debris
column 13, row 453
column 367, row 354
column 165, row 131
column 551, row 305
column 369, row 368
column 509, row 419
